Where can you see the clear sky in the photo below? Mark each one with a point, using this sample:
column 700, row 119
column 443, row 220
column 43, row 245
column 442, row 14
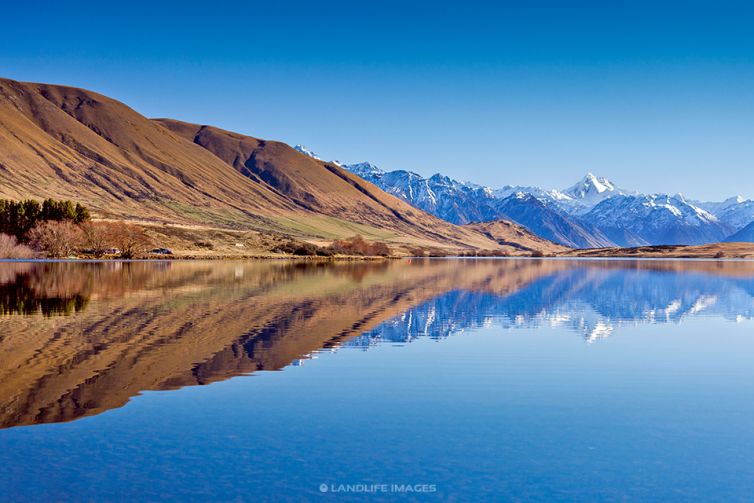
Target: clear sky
column 658, row 96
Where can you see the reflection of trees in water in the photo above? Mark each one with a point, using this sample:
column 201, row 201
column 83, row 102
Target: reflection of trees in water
column 63, row 288
column 25, row 294
column 49, row 288
column 19, row 297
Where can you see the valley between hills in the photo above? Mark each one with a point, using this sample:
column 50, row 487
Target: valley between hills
column 205, row 192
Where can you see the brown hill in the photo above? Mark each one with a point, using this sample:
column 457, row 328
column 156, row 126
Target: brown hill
column 512, row 235
column 64, row 142
column 320, row 187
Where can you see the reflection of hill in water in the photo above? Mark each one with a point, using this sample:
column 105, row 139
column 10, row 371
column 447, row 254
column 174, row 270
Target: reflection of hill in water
column 156, row 326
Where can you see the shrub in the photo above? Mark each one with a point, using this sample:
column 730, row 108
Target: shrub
column 417, row 251
column 438, row 253
column 537, row 253
column 98, row 237
column 130, row 239
column 56, row 239
column 357, row 245
column 11, row 248
column 719, row 254
column 302, row 249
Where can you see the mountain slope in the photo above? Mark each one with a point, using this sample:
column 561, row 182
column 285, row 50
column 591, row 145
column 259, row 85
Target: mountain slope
column 64, row 142
column 511, row 234
column 68, row 142
column 320, row 187
column 549, row 222
column 735, row 211
column 464, row 203
column 745, row 235
column 453, row 201
column 594, row 212
column 655, row 219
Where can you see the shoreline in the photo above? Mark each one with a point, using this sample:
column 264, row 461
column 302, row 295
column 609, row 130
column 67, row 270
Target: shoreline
column 324, row 260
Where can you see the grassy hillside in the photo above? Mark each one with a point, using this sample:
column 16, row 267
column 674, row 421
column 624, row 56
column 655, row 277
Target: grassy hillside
column 69, row 143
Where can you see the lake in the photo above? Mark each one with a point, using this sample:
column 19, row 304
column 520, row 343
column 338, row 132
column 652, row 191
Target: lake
column 433, row 379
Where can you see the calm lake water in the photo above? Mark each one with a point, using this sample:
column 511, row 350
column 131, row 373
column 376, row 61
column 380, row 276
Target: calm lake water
column 425, row 379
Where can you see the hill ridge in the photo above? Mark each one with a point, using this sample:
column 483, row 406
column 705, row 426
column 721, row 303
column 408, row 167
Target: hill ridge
column 71, row 143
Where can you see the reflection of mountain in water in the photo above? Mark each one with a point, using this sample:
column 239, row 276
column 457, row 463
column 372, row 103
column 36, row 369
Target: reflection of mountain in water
column 590, row 301
column 160, row 326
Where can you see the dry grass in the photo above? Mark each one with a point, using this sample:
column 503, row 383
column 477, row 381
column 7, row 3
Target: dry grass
column 714, row 250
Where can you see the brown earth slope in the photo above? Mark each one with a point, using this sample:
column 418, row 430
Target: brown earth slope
column 64, row 142
column 513, row 235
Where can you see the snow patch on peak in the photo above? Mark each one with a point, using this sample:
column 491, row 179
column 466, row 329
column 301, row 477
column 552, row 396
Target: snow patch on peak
column 588, row 193
column 364, row 169
column 306, row 151
column 589, row 186
column 734, row 200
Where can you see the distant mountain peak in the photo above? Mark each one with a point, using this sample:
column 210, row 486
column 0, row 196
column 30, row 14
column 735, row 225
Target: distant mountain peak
column 590, row 184
column 364, row 169
column 589, row 192
column 735, row 200
column 594, row 212
column 308, row 152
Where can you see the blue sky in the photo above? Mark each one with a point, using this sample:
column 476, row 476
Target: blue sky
column 658, row 96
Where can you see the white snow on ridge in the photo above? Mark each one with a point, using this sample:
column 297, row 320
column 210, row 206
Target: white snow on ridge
column 464, row 201
column 306, row 151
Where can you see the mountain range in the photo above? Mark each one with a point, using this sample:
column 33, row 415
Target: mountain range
column 69, row 143
column 593, row 213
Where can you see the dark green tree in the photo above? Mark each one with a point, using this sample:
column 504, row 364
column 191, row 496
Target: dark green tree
column 17, row 218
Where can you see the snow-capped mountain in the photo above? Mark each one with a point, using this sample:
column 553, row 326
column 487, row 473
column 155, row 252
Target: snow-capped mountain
column 655, row 219
column 306, row 151
column 576, row 199
column 550, row 222
column 588, row 193
column 736, row 211
column 715, row 207
column 594, row 212
column 463, row 203
column 457, row 202
column 546, row 196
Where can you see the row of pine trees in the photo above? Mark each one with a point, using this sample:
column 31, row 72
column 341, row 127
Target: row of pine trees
column 17, row 218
